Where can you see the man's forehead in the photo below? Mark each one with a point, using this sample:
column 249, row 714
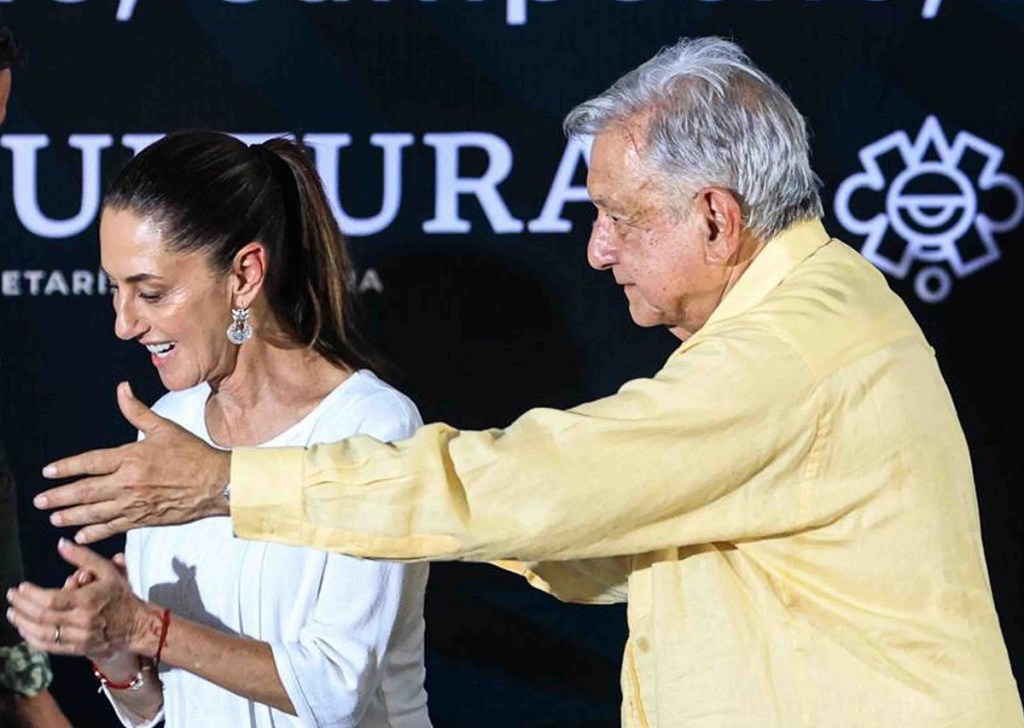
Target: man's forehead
column 617, row 162
column 628, row 137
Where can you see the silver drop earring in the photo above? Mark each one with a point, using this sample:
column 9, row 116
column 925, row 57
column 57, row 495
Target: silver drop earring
column 239, row 331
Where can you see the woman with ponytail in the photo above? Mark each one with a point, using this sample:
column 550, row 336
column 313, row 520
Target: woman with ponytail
column 227, row 265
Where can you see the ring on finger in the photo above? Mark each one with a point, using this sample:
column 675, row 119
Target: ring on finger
column 56, row 635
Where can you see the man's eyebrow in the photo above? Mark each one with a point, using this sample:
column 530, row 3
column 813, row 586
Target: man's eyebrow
column 602, row 201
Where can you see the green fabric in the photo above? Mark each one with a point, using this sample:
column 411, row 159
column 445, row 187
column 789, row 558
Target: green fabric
column 24, row 670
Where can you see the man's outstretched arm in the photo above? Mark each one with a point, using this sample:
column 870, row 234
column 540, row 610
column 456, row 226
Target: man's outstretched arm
column 661, row 463
column 708, row 450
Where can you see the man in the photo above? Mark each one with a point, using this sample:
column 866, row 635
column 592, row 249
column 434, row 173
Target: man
column 24, row 671
column 787, row 506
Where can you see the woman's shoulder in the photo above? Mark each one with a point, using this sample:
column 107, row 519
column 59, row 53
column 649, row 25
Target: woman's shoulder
column 366, row 405
column 182, row 406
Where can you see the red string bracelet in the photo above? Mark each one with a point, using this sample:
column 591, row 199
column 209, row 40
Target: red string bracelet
column 165, row 622
column 105, row 682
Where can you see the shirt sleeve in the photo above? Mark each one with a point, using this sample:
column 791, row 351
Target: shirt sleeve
column 715, row 447
column 582, row 581
column 335, row 667
column 128, row 718
column 24, row 670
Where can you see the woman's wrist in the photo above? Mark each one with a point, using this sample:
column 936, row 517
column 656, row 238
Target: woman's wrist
column 149, row 632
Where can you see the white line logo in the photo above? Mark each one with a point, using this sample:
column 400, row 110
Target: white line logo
column 935, row 209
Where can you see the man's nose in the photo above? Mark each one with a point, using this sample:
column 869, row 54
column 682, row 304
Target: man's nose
column 601, row 246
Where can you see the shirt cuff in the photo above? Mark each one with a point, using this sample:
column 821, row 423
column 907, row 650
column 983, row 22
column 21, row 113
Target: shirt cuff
column 290, row 683
column 267, row 491
column 24, row 670
column 128, row 718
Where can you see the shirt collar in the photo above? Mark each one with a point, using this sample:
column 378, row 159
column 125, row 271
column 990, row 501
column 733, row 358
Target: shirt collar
column 776, row 260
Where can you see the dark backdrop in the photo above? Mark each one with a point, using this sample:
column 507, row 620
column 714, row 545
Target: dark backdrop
column 484, row 302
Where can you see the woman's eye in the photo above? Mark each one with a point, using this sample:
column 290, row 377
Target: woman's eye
column 151, row 297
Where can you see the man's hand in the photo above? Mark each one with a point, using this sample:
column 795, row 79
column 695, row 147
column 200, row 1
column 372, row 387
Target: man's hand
column 169, row 477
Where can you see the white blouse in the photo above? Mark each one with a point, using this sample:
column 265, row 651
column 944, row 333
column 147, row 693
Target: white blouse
column 346, row 634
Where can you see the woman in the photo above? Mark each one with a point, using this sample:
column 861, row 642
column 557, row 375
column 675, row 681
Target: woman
column 228, row 266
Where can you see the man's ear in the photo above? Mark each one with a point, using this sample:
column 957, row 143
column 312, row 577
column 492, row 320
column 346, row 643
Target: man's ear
column 248, row 271
column 723, row 221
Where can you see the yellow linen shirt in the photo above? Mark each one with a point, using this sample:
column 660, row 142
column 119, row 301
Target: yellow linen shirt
column 787, row 506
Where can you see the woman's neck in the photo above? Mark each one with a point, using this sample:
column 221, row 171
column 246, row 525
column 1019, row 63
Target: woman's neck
column 270, row 389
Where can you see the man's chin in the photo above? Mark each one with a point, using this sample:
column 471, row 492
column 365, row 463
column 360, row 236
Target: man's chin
column 648, row 323
column 647, row 317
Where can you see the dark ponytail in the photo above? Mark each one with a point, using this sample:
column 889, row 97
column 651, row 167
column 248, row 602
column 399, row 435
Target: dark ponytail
column 210, row 192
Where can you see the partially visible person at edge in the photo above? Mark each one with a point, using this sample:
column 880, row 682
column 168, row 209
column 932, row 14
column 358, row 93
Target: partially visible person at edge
column 228, row 266
column 25, row 674
column 787, row 506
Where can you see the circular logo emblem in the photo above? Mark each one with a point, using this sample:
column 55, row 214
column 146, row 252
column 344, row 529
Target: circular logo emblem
column 931, row 206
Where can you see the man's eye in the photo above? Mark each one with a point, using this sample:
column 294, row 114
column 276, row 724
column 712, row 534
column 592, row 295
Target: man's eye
column 151, row 297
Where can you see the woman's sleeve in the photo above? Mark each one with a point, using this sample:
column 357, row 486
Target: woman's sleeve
column 336, row 666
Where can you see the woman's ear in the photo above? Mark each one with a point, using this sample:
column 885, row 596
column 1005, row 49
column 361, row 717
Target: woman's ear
column 248, row 271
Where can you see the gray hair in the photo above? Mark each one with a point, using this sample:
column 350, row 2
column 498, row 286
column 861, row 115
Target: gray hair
column 714, row 118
